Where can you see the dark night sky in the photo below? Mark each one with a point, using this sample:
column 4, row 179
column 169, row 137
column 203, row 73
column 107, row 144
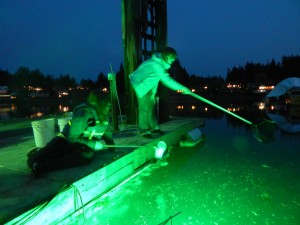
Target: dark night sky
column 82, row 38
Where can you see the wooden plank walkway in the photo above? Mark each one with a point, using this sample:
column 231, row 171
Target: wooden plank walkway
column 50, row 198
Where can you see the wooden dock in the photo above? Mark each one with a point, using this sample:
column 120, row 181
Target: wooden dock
column 56, row 195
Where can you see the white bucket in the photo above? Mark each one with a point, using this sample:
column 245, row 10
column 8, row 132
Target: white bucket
column 195, row 134
column 43, row 131
column 160, row 149
column 62, row 122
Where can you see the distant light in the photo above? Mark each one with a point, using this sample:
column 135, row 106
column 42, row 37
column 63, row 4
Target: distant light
column 80, row 88
column 38, row 89
column 234, row 86
column 263, row 88
column 193, row 107
column 38, row 114
column 233, row 109
column 64, row 108
column 261, row 106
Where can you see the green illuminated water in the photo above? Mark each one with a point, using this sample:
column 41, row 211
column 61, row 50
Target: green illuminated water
column 230, row 179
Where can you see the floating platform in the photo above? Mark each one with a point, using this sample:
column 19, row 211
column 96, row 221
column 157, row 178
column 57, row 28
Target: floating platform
column 56, row 195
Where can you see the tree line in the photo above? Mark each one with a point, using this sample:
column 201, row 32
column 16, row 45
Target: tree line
column 25, row 77
column 270, row 73
column 251, row 73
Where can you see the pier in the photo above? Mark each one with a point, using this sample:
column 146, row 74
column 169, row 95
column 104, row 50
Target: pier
column 56, row 195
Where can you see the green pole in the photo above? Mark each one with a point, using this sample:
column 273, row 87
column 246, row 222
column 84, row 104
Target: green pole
column 221, row 108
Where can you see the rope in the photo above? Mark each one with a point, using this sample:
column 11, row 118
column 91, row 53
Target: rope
column 81, row 207
column 38, row 210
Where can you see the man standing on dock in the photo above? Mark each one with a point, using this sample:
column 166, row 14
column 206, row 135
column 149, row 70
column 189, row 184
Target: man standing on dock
column 144, row 81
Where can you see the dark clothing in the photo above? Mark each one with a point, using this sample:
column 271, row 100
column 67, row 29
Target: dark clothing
column 59, row 154
column 75, row 145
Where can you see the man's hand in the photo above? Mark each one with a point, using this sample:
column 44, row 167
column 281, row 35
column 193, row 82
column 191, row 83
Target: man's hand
column 186, row 91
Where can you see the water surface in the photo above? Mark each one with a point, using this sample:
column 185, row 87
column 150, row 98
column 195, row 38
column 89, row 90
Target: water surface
column 231, row 178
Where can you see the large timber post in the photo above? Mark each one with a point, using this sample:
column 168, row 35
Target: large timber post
column 144, row 25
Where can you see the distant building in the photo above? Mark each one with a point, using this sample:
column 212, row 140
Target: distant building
column 3, row 90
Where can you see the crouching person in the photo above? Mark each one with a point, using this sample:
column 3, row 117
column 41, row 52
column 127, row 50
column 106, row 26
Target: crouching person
column 81, row 136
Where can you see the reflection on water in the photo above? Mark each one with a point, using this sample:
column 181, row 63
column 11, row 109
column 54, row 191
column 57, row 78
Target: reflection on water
column 5, row 111
column 15, row 111
column 287, row 118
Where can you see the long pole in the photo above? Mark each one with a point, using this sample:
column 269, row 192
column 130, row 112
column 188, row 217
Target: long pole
column 221, row 108
column 113, row 96
column 122, row 146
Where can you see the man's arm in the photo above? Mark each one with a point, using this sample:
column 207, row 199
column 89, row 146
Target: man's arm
column 169, row 82
column 79, row 124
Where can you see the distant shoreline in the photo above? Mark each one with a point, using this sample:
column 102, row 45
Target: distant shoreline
column 39, row 108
